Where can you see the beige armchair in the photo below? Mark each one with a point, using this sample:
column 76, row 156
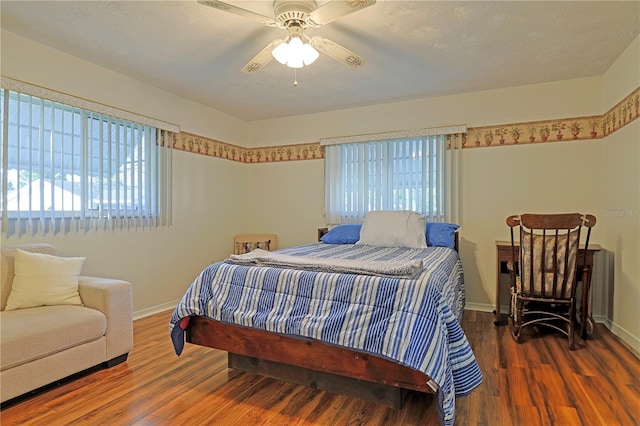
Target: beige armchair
column 43, row 344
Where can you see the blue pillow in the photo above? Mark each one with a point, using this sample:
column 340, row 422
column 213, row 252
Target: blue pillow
column 441, row 234
column 342, row 234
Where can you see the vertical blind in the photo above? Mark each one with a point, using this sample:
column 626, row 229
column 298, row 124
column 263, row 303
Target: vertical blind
column 67, row 168
column 412, row 172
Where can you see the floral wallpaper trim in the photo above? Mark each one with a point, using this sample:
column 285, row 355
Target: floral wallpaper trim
column 535, row 132
column 213, row 148
column 569, row 129
column 558, row 130
column 626, row 111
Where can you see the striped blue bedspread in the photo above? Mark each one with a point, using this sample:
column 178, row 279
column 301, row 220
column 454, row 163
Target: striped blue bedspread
column 414, row 322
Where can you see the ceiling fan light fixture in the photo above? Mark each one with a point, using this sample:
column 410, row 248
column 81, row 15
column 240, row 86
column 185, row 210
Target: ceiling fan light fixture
column 296, row 16
column 295, row 53
column 281, row 53
column 309, row 54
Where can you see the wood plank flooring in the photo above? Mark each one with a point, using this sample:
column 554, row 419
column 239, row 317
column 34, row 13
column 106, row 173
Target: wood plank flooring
column 538, row 382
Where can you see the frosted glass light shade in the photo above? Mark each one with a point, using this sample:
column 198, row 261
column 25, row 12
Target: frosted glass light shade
column 309, row 54
column 295, row 53
column 281, row 53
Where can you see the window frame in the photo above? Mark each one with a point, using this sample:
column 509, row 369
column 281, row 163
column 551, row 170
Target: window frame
column 436, row 158
column 95, row 134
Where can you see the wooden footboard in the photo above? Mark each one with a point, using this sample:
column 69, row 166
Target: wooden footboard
column 306, row 354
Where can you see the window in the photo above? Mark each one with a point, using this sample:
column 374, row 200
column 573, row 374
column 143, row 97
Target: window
column 65, row 167
column 415, row 171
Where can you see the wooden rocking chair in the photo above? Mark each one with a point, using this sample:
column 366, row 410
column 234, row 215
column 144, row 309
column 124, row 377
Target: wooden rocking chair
column 543, row 283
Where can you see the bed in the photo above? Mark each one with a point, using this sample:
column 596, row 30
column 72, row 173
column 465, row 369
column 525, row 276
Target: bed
column 314, row 315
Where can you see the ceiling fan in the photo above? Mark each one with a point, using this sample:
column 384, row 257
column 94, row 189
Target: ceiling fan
column 295, row 16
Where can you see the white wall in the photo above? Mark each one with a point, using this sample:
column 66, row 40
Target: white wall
column 210, row 195
column 287, row 199
column 564, row 99
column 546, row 178
column 498, row 181
column 620, row 214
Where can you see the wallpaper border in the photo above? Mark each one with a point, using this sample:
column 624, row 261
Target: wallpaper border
column 557, row 130
column 205, row 146
column 525, row 133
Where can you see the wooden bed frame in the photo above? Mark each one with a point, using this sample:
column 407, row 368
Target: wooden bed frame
column 311, row 362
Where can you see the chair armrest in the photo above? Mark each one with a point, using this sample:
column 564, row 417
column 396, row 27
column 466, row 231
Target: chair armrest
column 115, row 300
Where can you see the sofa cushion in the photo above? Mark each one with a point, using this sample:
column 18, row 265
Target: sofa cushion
column 44, row 280
column 33, row 333
column 7, row 256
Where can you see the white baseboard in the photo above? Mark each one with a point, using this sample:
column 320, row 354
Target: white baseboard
column 631, row 341
column 601, row 319
column 155, row 310
column 482, row 307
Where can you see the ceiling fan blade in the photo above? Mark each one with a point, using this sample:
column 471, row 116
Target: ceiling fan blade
column 261, row 59
column 226, row 7
column 338, row 52
column 336, row 9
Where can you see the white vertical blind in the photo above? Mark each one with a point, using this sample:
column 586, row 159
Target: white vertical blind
column 67, row 168
column 418, row 173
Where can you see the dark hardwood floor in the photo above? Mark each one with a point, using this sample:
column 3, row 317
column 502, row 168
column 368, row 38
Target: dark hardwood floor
column 538, row 382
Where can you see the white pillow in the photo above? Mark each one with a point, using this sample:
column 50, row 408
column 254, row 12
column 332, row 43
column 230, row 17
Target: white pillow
column 384, row 228
column 42, row 279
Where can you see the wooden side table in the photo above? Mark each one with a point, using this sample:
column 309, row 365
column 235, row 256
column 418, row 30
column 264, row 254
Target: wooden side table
column 246, row 242
column 504, row 255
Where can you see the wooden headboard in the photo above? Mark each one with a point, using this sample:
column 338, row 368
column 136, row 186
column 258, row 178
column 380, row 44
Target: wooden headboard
column 322, row 231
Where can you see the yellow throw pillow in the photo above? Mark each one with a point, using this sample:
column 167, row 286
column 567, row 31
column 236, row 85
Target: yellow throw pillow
column 42, row 279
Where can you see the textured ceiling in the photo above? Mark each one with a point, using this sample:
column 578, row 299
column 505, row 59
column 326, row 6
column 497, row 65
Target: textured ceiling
column 414, row 49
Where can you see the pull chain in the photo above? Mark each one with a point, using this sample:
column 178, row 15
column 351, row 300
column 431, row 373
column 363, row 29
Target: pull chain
column 295, row 76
